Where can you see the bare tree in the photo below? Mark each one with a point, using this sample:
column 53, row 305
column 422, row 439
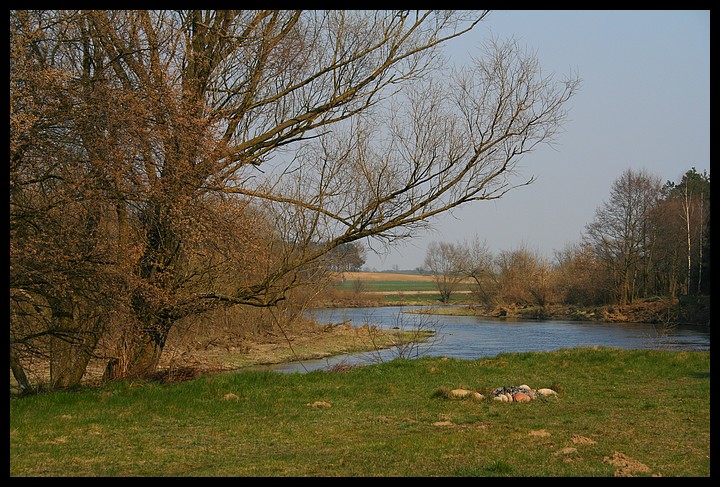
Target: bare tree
column 692, row 192
column 479, row 265
column 620, row 231
column 190, row 127
column 446, row 262
column 580, row 277
column 524, row 277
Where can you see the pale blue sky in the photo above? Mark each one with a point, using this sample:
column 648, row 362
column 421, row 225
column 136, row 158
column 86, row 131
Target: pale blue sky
column 644, row 103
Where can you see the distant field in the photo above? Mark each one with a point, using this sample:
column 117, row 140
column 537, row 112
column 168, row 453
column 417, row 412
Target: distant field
column 388, row 282
column 386, row 276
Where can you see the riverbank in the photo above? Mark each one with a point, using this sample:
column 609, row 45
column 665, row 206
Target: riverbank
column 370, row 289
column 320, row 341
column 183, row 361
column 694, row 311
column 644, row 312
column 312, row 341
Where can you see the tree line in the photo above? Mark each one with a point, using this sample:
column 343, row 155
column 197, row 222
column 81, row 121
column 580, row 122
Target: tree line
column 647, row 239
column 168, row 165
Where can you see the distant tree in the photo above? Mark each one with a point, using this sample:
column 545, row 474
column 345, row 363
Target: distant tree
column 704, row 286
column 621, row 232
column 580, row 277
column 691, row 202
column 479, row 265
column 349, row 257
column 524, row 277
column 198, row 155
column 669, row 247
column 446, row 262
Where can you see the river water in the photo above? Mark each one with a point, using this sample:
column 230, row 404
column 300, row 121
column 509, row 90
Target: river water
column 469, row 337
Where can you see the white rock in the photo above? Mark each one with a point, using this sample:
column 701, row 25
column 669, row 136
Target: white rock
column 547, row 392
column 501, row 397
column 459, row 392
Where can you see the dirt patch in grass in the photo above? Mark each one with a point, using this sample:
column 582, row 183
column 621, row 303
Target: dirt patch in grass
column 627, row 467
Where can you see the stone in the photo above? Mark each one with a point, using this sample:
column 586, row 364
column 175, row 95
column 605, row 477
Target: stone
column 547, row 392
column 501, row 397
column 465, row 393
column 459, row 392
column 520, row 397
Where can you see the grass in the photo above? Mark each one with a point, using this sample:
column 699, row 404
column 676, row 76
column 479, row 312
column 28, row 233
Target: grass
column 388, row 286
column 618, row 412
column 397, row 289
column 391, row 282
column 409, row 299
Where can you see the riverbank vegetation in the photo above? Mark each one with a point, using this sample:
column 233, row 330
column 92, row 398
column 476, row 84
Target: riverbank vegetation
column 645, row 257
column 240, row 339
column 617, row 413
column 648, row 240
column 355, row 289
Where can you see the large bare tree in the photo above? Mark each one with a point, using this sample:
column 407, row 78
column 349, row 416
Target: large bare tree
column 622, row 232
column 221, row 154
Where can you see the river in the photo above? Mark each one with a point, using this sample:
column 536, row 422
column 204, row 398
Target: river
column 470, row 337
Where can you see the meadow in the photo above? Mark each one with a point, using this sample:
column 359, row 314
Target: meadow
column 393, row 288
column 617, row 413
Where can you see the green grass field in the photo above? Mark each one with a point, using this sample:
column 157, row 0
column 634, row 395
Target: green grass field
column 388, row 286
column 617, row 413
column 398, row 289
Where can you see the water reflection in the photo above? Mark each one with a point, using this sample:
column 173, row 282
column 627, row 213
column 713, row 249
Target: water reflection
column 469, row 337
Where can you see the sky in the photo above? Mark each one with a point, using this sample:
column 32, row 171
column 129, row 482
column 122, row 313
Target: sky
column 644, row 103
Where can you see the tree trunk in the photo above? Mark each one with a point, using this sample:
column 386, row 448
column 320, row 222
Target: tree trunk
column 146, row 347
column 71, row 345
column 147, row 340
column 689, row 241
column 19, row 372
column 144, row 358
column 700, row 246
column 68, row 362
